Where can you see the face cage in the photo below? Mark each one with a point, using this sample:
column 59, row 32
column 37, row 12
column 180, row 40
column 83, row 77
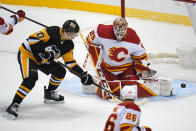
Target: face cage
column 119, row 32
column 70, row 35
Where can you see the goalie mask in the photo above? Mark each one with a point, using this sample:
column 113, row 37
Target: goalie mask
column 120, row 28
column 70, row 29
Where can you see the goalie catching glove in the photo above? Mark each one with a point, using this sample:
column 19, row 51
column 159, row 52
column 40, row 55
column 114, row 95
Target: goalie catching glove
column 147, row 74
column 87, row 79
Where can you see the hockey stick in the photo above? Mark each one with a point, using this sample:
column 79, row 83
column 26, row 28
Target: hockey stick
column 24, row 17
column 142, row 102
column 80, row 76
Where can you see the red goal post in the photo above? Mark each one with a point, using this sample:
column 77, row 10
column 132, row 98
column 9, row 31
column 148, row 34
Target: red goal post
column 123, row 8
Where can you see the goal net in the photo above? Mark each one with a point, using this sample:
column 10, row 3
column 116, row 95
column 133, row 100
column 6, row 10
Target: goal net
column 159, row 26
column 162, row 26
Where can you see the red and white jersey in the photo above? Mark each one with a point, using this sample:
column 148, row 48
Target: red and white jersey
column 117, row 55
column 124, row 117
column 6, row 27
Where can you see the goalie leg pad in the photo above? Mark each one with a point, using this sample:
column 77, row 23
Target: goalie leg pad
column 160, row 86
column 142, row 91
column 114, row 88
column 166, row 87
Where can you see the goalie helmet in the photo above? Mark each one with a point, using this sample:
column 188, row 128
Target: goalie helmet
column 129, row 92
column 71, row 26
column 120, row 28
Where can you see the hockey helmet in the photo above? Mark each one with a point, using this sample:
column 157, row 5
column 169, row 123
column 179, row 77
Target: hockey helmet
column 129, row 92
column 70, row 29
column 71, row 26
column 120, row 28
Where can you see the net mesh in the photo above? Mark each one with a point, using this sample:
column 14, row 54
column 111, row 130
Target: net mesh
column 157, row 16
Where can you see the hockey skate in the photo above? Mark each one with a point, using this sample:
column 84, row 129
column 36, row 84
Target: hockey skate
column 11, row 112
column 52, row 97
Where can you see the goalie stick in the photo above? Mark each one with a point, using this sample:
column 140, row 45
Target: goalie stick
column 140, row 103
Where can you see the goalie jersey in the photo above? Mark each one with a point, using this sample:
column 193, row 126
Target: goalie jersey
column 118, row 55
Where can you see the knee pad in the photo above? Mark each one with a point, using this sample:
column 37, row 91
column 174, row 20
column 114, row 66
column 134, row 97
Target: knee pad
column 60, row 72
column 29, row 82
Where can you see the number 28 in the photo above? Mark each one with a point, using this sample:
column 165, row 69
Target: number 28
column 130, row 116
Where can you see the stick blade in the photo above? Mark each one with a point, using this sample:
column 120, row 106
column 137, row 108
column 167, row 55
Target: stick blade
column 142, row 102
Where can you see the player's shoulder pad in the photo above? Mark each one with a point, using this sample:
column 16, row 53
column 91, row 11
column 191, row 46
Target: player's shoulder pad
column 2, row 21
column 53, row 30
column 106, row 31
column 130, row 105
column 131, row 36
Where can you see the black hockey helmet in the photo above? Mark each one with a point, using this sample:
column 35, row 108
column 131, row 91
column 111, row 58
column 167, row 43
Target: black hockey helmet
column 71, row 26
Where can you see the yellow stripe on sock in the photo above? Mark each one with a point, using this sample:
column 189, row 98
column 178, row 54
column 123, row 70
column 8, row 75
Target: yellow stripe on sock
column 25, row 88
column 18, row 93
column 54, row 83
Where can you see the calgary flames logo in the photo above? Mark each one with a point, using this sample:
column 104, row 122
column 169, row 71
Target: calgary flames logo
column 115, row 51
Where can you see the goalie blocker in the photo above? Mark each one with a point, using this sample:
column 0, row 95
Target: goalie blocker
column 145, row 88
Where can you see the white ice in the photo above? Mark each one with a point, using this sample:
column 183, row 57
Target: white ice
column 89, row 113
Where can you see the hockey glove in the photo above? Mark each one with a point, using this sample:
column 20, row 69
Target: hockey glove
column 152, row 73
column 147, row 74
column 19, row 16
column 87, row 79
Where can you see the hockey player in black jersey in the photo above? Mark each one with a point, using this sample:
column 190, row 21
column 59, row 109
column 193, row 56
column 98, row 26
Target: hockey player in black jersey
column 39, row 52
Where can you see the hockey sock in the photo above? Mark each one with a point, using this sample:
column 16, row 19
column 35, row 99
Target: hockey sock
column 54, row 83
column 24, row 89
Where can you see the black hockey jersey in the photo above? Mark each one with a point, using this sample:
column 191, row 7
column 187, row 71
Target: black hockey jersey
column 50, row 38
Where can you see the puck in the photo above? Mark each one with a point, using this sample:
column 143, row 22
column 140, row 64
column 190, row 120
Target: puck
column 183, row 85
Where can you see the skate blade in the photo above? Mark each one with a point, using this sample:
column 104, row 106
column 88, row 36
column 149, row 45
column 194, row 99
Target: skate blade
column 53, row 102
column 8, row 116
